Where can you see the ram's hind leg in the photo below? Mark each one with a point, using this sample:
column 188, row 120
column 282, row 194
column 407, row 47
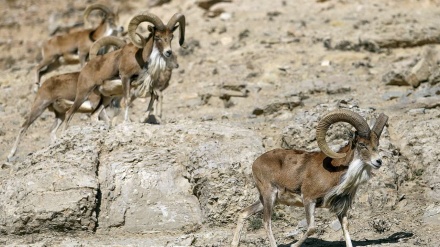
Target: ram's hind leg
column 59, row 119
column 269, row 197
column 81, row 95
column 127, row 97
column 40, row 104
column 244, row 214
column 310, row 216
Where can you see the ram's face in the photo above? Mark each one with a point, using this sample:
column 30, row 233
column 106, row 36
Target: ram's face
column 113, row 20
column 368, row 150
column 162, row 40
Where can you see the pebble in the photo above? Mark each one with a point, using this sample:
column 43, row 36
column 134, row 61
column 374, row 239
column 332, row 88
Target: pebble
column 417, row 111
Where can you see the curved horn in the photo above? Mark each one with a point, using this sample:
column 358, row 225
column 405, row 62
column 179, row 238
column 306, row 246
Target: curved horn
column 381, row 121
column 104, row 41
column 92, row 7
column 178, row 18
column 134, row 23
column 339, row 115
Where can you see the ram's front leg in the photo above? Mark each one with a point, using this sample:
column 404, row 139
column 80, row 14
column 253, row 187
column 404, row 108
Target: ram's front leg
column 146, row 118
column 159, row 100
column 127, row 97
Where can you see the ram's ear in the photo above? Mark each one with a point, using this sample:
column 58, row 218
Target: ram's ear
column 374, row 138
column 353, row 140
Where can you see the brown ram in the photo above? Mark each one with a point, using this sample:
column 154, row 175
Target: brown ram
column 151, row 86
column 316, row 179
column 78, row 42
column 55, row 94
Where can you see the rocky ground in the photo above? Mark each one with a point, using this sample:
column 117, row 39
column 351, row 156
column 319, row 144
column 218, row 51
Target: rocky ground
column 255, row 75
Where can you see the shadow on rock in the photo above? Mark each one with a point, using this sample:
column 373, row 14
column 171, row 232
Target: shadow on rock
column 394, row 238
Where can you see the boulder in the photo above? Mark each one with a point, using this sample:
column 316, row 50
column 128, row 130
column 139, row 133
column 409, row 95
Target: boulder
column 55, row 189
column 135, row 178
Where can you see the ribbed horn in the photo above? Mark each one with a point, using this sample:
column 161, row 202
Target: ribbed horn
column 178, row 18
column 134, row 23
column 105, row 41
column 92, row 7
column 340, row 115
column 378, row 127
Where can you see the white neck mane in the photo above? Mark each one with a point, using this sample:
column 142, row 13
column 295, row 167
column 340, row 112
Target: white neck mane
column 339, row 199
column 357, row 174
column 156, row 63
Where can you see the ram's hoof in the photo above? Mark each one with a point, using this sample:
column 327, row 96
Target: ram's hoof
column 151, row 119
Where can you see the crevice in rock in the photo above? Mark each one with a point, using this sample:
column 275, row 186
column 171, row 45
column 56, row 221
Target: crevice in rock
column 98, row 194
column 197, row 188
column 379, row 46
column 98, row 207
column 408, row 43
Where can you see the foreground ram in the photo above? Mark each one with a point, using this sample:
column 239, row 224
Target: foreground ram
column 316, row 179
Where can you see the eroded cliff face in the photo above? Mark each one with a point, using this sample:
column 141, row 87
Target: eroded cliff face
column 255, row 76
column 133, row 179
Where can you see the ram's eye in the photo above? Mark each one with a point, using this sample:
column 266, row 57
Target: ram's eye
column 157, row 38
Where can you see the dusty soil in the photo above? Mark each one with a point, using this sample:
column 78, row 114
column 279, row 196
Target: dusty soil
column 258, row 65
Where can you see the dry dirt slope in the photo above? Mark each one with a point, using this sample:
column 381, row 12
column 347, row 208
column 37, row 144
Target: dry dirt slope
column 293, row 60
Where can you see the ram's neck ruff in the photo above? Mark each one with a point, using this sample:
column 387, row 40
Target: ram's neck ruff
column 340, row 198
column 156, row 63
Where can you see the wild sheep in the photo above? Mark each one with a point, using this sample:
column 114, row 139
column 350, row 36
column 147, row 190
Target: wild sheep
column 58, row 93
column 78, row 41
column 152, row 87
column 133, row 62
column 316, row 179
column 54, row 95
